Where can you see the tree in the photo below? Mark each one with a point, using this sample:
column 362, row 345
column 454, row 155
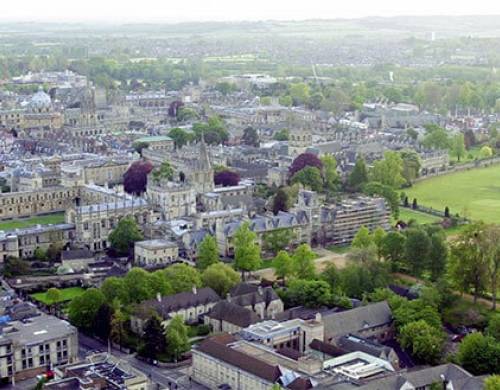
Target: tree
column 458, row 146
column 485, row 152
column 118, row 326
column 40, row 254
column 140, row 146
column 136, row 177
column 388, row 193
column 412, row 133
column 468, row 265
column 479, row 354
column 182, row 277
column 308, row 293
column 309, row 177
column 280, row 201
column 114, row 288
column 362, row 239
column 207, row 253
column 102, row 322
column 359, row 176
column 180, row 137
column 154, row 342
column 416, row 310
column 281, row 135
column 411, row 165
column 220, row 277
column 54, row 251
column 424, row 341
column 126, row 233
column 389, row 171
column 53, row 296
column 447, row 212
column 246, row 251
column 414, row 205
column 493, row 328
column 357, row 279
column 226, row 178
column 492, row 382
column 438, row 255
column 277, row 239
column 330, row 175
column 490, row 244
column 363, row 255
column 164, row 172
column 286, row 101
column 417, row 249
column 283, row 265
column 300, row 93
column 250, row 137
column 331, row 275
column 436, row 138
column 303, row 262
column 304, row 160
column 378, row 238
column 137, row 286
column 177, row 337
column 83, row 308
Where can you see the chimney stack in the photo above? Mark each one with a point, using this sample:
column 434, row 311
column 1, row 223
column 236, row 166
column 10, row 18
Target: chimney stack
column 195, row 290
column 158, row 297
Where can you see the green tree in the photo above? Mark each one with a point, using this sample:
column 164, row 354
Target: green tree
column 140, row 146
column 117, row 331
column 363, row 255
column 53, row 296
column 309, row 177
column 389, row 171
column 300, row 93
column 330, row 175
column 331, row 275
column 137, row 286
column 485, row 152
column 479, row 354
column 438, row 255
column 281, row 135
column 423, row 341
column 220, row 277
column 15, row 267
column 378, row 236
column 250, row 137
column 283, row 265
column 177, row 337
column 492, row 382
column 154, row 342
column 182, row 277
column 359, row 176
column 392, row 249
column 436, row 138
column 278, row 239
column 246, row 251
column 308, row 293
column 40, row 254
column 114, row 288
column 165, row 171
column 286, row 101
column 417, row 249
column 362, row 239
column 303, row 262
column 83, row 308
column 387, row 192
column 280, row 201
column 458, row 145
column 493, row 328
column 102, row 322
column 207, row 253
column 126, row 233
column 411, row 165
column 180, row 137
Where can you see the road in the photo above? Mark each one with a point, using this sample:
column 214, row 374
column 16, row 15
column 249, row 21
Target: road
column 163, row 378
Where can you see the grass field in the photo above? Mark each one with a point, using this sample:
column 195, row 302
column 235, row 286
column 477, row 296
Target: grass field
column 406, row 215
column 474, row 194
column 67, row 294
column 27, row 222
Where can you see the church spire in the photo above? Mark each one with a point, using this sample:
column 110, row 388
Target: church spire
column 204, row 155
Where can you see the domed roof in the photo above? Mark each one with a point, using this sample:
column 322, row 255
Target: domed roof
column 40, row 100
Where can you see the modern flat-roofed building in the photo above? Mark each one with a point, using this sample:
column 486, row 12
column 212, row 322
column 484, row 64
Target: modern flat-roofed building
column 31, row 346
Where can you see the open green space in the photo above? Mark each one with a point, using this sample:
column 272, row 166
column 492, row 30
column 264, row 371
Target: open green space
column 406, row 215
column 474, row 194
column 67, row 294
column 32, row 221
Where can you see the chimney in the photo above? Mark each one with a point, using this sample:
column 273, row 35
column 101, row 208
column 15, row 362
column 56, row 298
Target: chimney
column 158, row 297
column 195, row 290
column 228, row 297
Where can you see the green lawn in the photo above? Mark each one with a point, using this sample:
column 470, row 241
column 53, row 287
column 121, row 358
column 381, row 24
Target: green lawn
column 67, row 294
column 474, row 194
column 406, row 214
column 27, row 222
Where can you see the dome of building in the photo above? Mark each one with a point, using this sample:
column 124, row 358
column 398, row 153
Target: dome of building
column 40, row 101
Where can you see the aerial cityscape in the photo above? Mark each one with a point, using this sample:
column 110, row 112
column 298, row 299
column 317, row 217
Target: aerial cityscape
column 263, row 202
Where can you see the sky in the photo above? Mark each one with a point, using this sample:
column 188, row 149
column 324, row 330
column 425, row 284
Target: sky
column 117, row 11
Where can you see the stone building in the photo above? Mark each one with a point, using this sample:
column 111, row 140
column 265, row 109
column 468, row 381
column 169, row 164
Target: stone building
column 299, row 140
column 173, row 199
column 155, row 253
column 31, row 346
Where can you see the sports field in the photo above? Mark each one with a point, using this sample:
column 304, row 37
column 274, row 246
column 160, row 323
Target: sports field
column 37, row 220
column 474, row 194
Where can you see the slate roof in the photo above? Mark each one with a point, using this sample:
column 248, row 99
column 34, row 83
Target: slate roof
column 76, row 254
column 233, row 313
column 245, row 294
column 355, row 320
column 220, row 350
column 350, row 343
column 178, row 301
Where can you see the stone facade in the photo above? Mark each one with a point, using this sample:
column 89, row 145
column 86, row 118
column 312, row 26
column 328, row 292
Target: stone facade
column 155, row 253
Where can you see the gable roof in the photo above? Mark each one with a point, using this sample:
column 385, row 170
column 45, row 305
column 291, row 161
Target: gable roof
column 233, row 313
column 220, row 350
column 355, row 320
column 178, row 301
